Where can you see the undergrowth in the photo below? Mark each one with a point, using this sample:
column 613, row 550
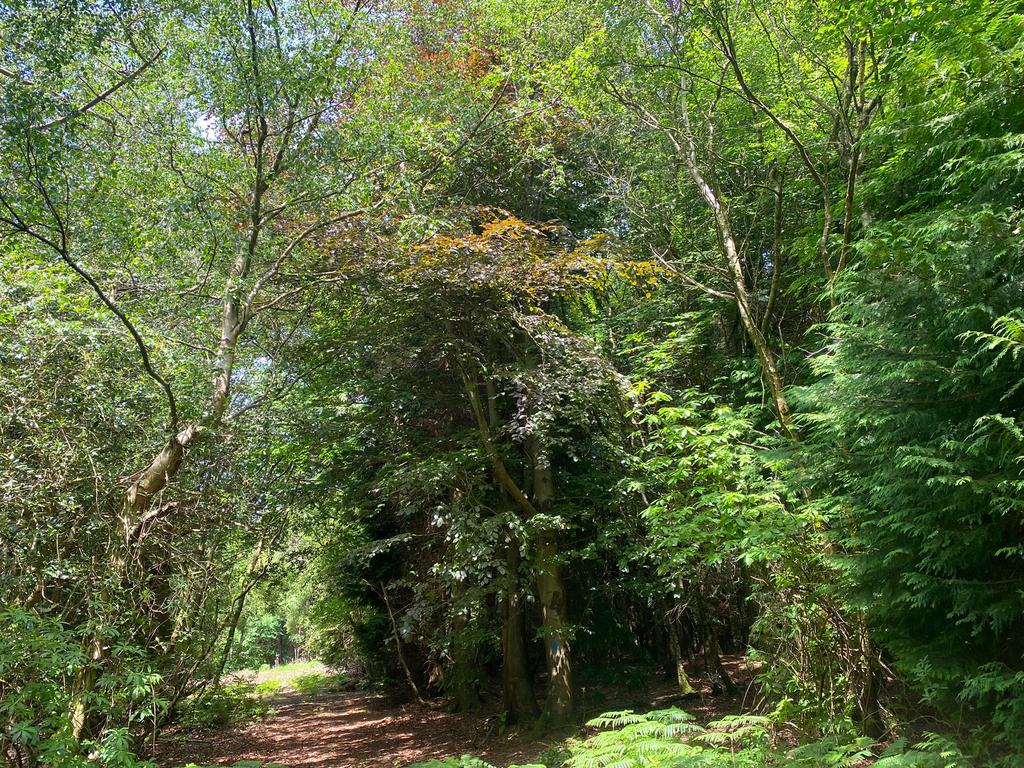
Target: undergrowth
column 669, row 738
column 322, row 682
column 231, row 704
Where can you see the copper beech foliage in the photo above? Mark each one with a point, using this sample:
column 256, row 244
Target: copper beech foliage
column 529, row 261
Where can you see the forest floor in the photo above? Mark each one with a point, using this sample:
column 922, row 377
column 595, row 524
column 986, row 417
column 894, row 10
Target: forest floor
column 345, row 730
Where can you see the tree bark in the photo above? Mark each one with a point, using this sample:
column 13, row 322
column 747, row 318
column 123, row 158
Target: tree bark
column 464, row 658
column 252, row 579
column 559, row 704
column 164, row 467
column 685, row 687
column 868, row 709
column 516, row 683
column 398, row 647
column 84, row 684
column 730, row 252
column 516, row 686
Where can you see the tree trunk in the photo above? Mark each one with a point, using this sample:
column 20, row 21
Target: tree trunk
column 81, row 727
column 727, row 243
column 252, row 579
column 869, row 711
column 398, row 647
column 685, row 687
column 151, row 481
column 139, row 507
column 723, row 673
column 516, row 685
column 765, row 354
column 464, row 657
column 559, row 705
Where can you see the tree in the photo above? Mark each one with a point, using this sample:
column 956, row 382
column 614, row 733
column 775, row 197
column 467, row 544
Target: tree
column 184, row 225
column 916, row 425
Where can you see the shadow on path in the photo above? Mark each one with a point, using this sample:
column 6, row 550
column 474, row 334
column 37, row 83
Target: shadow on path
column 346, row 730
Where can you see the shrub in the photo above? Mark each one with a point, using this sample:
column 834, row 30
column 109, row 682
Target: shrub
column 40, row 659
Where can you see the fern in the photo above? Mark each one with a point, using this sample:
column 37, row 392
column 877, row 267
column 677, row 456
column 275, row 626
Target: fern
column 828, row 752
column 933, row 752
column 669, row 739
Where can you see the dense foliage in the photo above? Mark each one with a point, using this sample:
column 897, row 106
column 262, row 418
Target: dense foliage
column 530, row 351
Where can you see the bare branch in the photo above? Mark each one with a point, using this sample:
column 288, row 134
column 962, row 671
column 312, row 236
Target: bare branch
column 674, row 271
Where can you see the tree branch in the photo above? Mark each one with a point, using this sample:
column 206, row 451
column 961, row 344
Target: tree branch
column 500, row 470
column 102, row 96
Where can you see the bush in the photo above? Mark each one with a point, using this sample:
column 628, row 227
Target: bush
column 40, row 659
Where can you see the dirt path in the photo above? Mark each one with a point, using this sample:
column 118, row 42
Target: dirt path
column 346, row 730
column 366, row 730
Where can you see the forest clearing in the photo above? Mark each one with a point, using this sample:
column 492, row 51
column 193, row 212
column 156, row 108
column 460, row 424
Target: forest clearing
column 511, row 383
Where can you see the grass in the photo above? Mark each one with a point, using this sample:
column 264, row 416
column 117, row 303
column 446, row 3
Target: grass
column 307, row 677
column 244, row 696
column 284, row 673
column 268, row 688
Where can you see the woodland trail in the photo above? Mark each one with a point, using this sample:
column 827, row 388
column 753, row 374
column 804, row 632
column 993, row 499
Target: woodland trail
column 368, row 730
column 345, row 730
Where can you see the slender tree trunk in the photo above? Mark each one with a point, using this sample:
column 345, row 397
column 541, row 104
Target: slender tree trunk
column 516, row 683
column 464, row 656
column 150, row 482
column 252, row 578
column 559, row 705
column 84, row 684
column 398, row 647
column 712, row 651
column 685, row 687
column 723, row 673
column 236, row 614
column 777, row 255
column 869, row 710
column 730, row 252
